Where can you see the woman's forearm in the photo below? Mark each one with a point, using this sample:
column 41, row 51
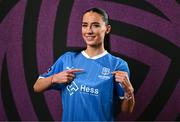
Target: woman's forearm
column 42, row 84
column 127, row 105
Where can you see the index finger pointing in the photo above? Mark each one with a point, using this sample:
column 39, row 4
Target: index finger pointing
column 75, row 70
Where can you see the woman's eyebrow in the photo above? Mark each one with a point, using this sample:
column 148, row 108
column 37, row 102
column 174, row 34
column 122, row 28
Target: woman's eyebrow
column 97, row 23
column 84, row 23
column 91, row 23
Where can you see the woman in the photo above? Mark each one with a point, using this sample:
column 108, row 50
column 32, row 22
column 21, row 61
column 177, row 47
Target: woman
column 91, row 81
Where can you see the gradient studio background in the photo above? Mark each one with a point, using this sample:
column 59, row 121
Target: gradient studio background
column 33, row 33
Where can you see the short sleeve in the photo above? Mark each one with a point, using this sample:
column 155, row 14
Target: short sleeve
column 54, row 69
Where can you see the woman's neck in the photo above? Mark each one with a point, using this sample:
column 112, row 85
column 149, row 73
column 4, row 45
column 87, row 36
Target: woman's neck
column 91, row 52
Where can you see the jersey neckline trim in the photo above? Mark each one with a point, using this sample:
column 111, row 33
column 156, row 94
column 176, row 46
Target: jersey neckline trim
column 94, row 57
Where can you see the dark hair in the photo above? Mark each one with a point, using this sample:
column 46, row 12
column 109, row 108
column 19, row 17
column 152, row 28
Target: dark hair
column 100, row 11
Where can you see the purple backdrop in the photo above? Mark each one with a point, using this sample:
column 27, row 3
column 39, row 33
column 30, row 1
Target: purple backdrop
column 12, row 27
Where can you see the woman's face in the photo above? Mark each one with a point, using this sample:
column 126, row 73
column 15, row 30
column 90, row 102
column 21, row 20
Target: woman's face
column 94, row 29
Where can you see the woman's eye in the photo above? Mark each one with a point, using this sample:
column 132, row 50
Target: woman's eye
column 84, row 25
column 96, row 25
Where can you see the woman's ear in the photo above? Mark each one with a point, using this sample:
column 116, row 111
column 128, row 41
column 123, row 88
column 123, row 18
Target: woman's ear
column 108, row 29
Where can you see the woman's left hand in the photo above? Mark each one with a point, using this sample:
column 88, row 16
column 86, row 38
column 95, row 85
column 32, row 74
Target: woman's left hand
column 122, row 78
column 128, row 103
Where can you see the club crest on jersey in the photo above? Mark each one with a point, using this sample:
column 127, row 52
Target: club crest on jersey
column 104, row 74
column 105, row 71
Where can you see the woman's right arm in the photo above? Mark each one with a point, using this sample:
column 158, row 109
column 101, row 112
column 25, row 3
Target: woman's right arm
column 63, row 77
column 42, row 84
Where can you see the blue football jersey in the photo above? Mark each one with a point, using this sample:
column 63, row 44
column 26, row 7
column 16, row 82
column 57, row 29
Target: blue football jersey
column 90, row 96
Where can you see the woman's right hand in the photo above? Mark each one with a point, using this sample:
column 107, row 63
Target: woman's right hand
column 65, row 76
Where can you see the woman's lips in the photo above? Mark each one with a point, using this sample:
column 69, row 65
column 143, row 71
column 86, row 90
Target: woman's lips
column 90, row 37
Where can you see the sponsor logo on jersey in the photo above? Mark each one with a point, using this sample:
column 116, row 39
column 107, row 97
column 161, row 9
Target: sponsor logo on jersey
column 73, row 87
column 89, row 90
column 104, row 74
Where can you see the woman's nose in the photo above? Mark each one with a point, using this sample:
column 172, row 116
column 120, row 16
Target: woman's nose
column 89, row 30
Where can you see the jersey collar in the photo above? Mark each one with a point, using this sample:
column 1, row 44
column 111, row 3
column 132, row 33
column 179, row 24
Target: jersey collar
column 94, row 57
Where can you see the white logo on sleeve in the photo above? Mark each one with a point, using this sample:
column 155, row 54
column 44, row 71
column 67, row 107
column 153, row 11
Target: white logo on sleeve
column 69, row 68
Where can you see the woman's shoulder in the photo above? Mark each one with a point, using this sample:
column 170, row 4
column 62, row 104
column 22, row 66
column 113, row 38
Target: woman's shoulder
column 119, row 63
column 116, row 58
column 69, row 53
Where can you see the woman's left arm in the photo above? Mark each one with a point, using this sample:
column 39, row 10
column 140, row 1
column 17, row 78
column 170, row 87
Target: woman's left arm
column 128, row 102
